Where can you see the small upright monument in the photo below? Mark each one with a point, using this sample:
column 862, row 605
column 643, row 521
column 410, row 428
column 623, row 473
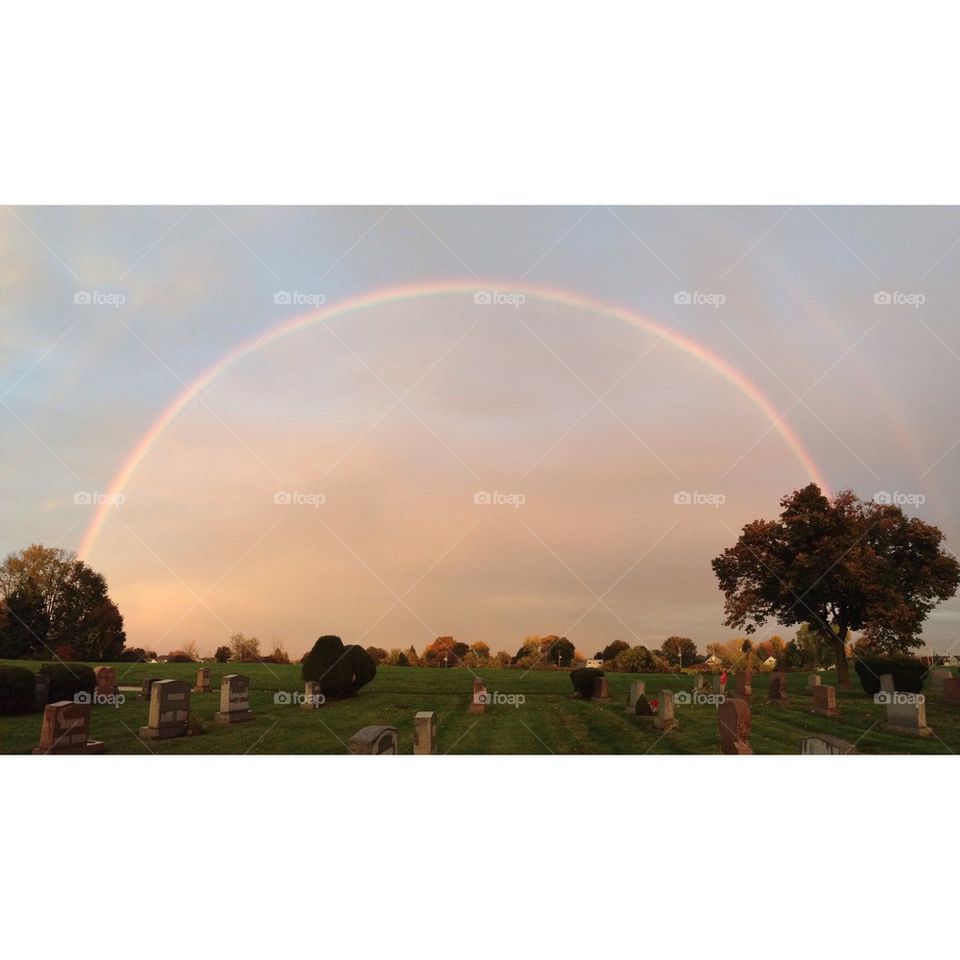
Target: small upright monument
column 374, row 740
column 106, row 682
column 481, row 698
column 637, row 689
column 601, row 691
column 665, row 719
column 733, row 719
column 778, row 688
column 825, row 701
column 65, row 728
column 425, row 733
column 169, row 710
column 234, row 699
column 203, row 681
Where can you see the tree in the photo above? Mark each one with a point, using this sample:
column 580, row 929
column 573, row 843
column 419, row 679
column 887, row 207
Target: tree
column 222, row 654
column 635, row 660
column 560, row 652
column 679, row 651
column 442, row 652
column 51, row 599
column 839, row 565
column 610, row 651
column 377, row 654
column 244, row 649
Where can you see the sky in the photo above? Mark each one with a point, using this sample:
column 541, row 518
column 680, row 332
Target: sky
column 398, row 423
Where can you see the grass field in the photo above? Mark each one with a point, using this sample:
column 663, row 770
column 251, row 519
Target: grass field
column 549, row 721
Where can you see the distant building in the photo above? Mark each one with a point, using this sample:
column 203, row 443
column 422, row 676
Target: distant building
column 596, row 664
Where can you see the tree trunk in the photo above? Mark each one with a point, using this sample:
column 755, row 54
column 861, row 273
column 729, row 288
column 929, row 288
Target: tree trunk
column 843, row 671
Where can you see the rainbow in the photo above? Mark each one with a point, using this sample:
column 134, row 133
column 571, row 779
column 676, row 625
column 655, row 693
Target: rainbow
column 399, row 294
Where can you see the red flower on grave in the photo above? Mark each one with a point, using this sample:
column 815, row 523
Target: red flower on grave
column 654, row 704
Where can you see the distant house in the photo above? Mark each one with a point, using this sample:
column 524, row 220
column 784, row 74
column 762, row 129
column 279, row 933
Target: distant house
column 713, row 662
column 596, row 664
column 770, row 662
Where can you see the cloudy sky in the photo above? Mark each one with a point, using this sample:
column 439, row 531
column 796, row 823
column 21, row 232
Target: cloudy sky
column 281, row 421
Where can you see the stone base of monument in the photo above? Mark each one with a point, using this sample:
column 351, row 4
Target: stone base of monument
column 477, row 708
column 162, row 733
column 826, row 711
column 234, row 716
column 91, row 746
column 660, row 724
column 913, row 731
column 202, row 690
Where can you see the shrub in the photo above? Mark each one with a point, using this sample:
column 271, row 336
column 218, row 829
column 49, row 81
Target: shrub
column 339, row 670
column 584, row 680
column 17, row 690
column 68, row 679
column 908, row 673
column 180, row 656
column 643, row 708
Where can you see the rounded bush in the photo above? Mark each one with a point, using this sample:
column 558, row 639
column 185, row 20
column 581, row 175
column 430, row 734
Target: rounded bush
column 584, row 680
column 339, row 670
column 908, row 673
column 68, row 679
column 17, row 690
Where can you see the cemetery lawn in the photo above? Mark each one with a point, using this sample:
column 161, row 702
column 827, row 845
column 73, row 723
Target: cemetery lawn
column 550, row 720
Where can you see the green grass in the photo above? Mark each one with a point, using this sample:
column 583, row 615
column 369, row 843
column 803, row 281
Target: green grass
column 550, row 721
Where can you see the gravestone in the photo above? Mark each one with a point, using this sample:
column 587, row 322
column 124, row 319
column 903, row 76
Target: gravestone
column 744, row 687
column 951, row 690
column 145, row 688
column 717, row 684
column 425, row 733
column 601, row 691
column 813, row 680
column 733, row 721
column 698, row 683
column 169, row 710
column 825, row 701
column 65, row 728
column 886, row 683
column 823, row 745
column 637, row 689
column 234, row 699
column 41, row 690
column 106, row 681
column 907, row 713
column 665, row 719
column 937, row 677
column 313, row 698
column 778, row 688
column 481, row 698
column 374, row 740
column 203, row 681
